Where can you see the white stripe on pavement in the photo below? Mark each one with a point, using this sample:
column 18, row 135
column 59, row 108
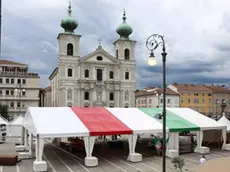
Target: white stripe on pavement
column 17, row 168
column 128, row 164
column 51, row 166
column 148, row 166
column 81, row 165
column 113, row 164
column 63, row 162
column 1, row 168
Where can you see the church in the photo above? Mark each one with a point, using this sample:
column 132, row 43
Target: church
column 97, row 79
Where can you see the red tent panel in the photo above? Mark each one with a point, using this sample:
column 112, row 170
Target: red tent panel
column 100, row 121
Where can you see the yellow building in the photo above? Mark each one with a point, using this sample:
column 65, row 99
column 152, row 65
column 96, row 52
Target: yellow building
column 196, row 97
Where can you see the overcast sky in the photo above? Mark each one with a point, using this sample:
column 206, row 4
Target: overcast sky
column 197, row 35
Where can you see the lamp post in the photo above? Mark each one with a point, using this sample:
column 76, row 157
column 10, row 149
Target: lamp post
column 19, row 90
column 152, row 43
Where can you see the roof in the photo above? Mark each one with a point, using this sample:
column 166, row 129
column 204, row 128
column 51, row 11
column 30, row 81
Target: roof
column 218, row 89
column 157, row 91
column 204, row 122
column 97, row 121
column 3, row 120
column 17, row 121
column 191, row 87
column 48, row 88
column 7, row 62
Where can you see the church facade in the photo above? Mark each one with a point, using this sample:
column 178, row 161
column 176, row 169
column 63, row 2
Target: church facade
column 97, row 79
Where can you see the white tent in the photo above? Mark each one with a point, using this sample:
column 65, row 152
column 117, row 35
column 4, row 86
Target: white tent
column 15, row 127
column 223, row 120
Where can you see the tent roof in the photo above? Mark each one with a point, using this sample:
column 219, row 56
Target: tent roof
column 17, row 121
column 204, row 122
column 3, row 120
column 223, row 120
column 138, row 121
column 174, row 122
column 54, row 122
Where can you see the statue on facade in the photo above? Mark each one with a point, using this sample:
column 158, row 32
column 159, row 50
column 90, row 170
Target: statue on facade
column 69, row 94
column 127, row 96
column 99, row 94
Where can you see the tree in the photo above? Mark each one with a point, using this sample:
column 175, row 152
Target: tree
column 178, row 163
column 4, row 111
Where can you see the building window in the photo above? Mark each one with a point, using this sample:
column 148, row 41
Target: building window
column 127, row 75
column 209, row 101
column 117, row 53
column 69, row 104
column 7, row 92
column 161, row 100
column 111, row 96
column 86, row 73
column 111, row 74
column 196, row 101
column 12, row 81
column 1, row 81
column 24, row 81
column 18, row 104
column 127, row 54
column 126, row 106
column 24, row 93
column 7, row 80
column 69, row 49
column 196, row 94
column 181, row 100
column 0, row 92
column 69, row 72
column 202, row 94
column 19, row 81
column 99, row 74
column 209, row 94
column 188, row 94
column 99, row 58
column 150, row 100
column 168, row 100
column 86, row 96
column 12, row 92
column 11, row 104
column 189, row 101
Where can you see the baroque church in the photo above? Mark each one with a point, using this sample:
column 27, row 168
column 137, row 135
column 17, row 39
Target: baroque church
column 97, row 79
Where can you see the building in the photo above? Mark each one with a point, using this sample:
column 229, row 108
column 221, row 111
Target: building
column 154, row 98
column 47, row 97
column 18, row 87
column 97, row 79
column 220, row 93
column 196, row 97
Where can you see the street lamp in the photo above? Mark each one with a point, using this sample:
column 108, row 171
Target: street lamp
column 152, row 43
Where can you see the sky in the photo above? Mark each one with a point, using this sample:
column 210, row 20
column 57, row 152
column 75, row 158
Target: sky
column 196, row 32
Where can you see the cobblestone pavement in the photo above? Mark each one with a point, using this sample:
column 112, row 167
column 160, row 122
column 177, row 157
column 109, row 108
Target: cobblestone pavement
column 59, row 160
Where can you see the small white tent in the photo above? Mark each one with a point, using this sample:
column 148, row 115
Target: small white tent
column 223, row 120
column 3, row 120
column 15, row 127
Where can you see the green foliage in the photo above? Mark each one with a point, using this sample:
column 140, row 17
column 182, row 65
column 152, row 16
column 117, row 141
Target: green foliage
column 178, row 163
column 4, row 111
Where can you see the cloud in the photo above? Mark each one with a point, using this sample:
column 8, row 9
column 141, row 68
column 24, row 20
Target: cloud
column 197, row 35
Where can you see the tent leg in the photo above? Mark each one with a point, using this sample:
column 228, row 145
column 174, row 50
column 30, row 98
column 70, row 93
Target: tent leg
column 22, row 146
column 90, row 161
column 133, row 156
column 39, row 164
column 25, row 155
column 201, row 149
column 173, row 145
column 225, row 146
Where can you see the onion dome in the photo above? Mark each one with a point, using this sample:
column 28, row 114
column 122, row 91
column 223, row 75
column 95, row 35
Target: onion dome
column 124, row 30
column 69, row 24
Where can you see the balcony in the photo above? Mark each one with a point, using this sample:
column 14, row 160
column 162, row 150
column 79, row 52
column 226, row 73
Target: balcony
column 12, row 74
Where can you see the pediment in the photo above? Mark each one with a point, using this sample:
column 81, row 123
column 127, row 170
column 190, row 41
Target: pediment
column 105, row 57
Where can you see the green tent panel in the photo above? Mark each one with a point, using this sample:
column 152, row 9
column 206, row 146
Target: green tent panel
column 174, row 122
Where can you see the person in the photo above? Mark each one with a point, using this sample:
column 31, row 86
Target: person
column 202, row 160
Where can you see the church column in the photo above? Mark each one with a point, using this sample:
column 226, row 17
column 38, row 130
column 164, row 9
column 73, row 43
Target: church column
column 121, row 98
column 117, row 100
column 90, row 97
column 107, row 97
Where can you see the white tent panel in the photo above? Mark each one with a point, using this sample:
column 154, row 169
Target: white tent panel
column 3, row 120
column 224, row 121
column 54, row 122
column 204, row 122
column 137, row 120
column 17, row 121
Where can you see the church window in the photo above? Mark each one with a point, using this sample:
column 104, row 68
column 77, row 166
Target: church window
column 70, row 49
column 70, row 72
column 99, row 58
column 111, row 74
column 86, row 73
column 86, row 96
column 69, row 104
column 127, row 75
column 111, row 96
column 99, row 74
column 127, row 54
column 117, row 54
